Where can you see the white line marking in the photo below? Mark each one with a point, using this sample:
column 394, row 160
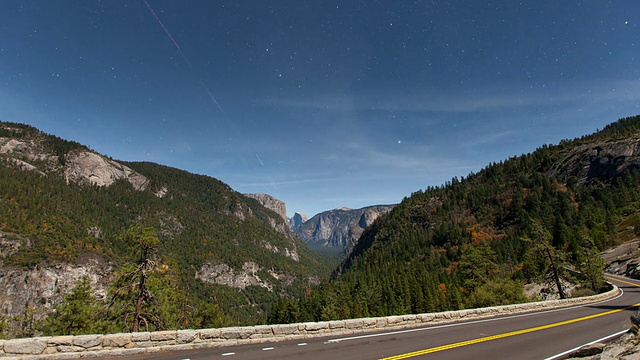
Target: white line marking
column 557, row 356
column 469, row 322
column 228, row 354
column 302, row 344
column 267, row 349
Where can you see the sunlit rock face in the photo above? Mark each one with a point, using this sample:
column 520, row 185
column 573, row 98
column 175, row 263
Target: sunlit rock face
column 297, row 220
column 29, row 155
column 339, row 229
column 44, row 286
column 88, row 168
column 271, row 203
column 83, row 167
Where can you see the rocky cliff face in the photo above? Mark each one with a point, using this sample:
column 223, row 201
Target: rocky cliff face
column 601, row 160
column 215, row 224
column 43, row 287
column 623, row 260
column 339, row 230
column 26, row 152
column 83, row 167
column 251, row 274
column 297, row 220
column 278, row 223
column 88, row 168
column 271, row 203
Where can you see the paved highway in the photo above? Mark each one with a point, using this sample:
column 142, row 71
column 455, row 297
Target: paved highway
column 540, row 335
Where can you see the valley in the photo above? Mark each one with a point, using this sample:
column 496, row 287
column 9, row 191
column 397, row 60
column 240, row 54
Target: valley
column 221, row 258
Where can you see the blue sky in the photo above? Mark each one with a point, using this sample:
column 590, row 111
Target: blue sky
column 321, row 104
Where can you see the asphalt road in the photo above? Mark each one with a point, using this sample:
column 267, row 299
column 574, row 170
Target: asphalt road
column 539, row 335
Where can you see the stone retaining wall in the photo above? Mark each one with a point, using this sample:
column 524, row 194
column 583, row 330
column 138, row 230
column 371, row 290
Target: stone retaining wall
column 72, row 347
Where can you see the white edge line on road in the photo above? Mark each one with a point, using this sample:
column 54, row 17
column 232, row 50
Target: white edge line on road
column 228, row 354
column 591, row 343
column 267, row 349
column 469, row 322
column 302, row 344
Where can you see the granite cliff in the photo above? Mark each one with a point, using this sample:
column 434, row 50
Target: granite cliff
column 337, row 231
column 297, row 220
column 79, row 165
column 271, row 203
column 64, row 208
column 603, row 160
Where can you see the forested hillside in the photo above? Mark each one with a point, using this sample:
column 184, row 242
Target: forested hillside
column 537, row 218
column 335, row 232
column 211, row 256
column 194, row 253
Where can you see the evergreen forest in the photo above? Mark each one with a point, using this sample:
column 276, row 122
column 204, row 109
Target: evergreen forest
column 199, row 221
column 474, row 241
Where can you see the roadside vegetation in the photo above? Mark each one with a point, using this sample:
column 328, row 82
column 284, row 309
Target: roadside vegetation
column 472, row 242
column 476, row 241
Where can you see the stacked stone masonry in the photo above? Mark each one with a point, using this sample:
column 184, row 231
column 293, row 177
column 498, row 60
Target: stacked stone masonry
column 73, row 347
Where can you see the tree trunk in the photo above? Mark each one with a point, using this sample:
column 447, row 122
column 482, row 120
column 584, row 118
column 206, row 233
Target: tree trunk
column 141, row 297
column 556, row 277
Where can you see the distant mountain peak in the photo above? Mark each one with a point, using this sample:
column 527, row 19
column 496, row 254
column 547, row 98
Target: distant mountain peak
column 338, row 230
column 297, row 220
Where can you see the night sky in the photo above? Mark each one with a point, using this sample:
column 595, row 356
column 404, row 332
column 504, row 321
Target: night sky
column 321, row 104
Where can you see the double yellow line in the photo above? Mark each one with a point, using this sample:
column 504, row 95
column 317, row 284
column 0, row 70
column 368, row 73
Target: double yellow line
column 509, row 334
column 622, row 281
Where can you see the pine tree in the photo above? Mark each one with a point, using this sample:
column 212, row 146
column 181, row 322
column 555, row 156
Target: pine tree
column 80, row 313
column 132, row 299
column 548, row 262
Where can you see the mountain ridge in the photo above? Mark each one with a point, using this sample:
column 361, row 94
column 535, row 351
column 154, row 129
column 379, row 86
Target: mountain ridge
column 578, row 197
column 337, row 231
column 475, row 241
column 62, row 201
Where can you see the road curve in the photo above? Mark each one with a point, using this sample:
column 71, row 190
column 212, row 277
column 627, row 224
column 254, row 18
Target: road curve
column 538, row 335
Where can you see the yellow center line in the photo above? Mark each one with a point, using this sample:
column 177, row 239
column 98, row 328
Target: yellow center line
column 622, row 281
column 504, row 335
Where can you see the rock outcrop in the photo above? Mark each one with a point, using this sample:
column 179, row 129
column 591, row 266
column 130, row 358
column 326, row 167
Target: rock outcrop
column 623, row 260
column 251, row 274
column 297, row 220
column 271, row 203
column 223, row 274
column 338, row 230
column 278, row 223
column 88, row 168
column 10, row 243
column 626, row 347
column 50, row 236
column 29, row 155
column 83, row 167
column 47, row 285
column 601, row 160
